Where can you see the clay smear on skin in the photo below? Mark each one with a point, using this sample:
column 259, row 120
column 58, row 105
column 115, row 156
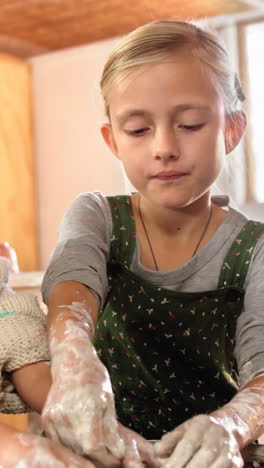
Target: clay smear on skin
column 249, row 403
column 205, row 435
column 89, row 392
column 40, row 456
column 81, row 311
column 241, row 415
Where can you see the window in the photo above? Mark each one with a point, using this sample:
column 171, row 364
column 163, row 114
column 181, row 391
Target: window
column 254, row 50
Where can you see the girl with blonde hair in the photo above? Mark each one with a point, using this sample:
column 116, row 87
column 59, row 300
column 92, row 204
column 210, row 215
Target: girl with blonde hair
column 156, row 299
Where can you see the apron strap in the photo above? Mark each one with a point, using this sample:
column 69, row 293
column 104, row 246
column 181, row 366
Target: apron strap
column 238, row 258
column 123, row 241
column 235, row 265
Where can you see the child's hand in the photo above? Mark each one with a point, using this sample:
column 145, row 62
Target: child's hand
column 80, row 410
column 199, row 442
column 31, row 451
column 138, row 451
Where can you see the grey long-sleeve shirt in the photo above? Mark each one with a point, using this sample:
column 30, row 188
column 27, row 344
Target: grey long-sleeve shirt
column 83, row 250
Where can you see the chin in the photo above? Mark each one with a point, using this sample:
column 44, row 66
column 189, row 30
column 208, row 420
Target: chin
column 174, row 203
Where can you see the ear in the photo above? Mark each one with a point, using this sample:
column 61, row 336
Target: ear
column 108, row 136
column 235, row 127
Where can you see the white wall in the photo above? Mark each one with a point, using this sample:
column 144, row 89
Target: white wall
column 71, row 156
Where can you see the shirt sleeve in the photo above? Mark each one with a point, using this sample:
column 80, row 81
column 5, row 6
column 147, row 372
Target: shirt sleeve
column 249, row 349
column 83, row 246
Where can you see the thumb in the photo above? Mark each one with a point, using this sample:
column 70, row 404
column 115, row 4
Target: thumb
column 132, row 457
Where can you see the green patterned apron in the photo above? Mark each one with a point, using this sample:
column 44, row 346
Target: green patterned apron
column 170, row 355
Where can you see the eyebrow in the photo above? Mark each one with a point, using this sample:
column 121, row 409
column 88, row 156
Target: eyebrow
column 123, row 116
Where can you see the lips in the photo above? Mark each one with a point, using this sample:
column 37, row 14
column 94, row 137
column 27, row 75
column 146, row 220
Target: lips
column 169, row 175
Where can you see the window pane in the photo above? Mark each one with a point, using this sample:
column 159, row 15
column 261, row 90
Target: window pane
column 255, row 59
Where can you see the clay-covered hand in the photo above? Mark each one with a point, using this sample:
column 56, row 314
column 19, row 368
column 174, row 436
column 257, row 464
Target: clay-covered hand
column 200, row 442
column 80, row 411
column 139, row 452
column 31, row 451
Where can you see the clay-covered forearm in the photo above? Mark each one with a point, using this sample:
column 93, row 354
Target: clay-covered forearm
column 80, row 406
column 32, row 383
column 71, row 301
column 244, row 414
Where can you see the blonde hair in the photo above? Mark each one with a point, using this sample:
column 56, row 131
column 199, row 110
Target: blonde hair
column 157, row 42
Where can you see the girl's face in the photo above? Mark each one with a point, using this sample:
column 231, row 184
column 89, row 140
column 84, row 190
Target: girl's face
column 168, row 128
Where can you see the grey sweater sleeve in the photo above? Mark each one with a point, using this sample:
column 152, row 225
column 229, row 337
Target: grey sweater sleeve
column 83, row 247
column 249, row 350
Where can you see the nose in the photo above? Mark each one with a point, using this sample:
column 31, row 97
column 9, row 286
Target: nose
column 166, row 145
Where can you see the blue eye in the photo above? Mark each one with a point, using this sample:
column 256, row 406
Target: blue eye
column 137, row 132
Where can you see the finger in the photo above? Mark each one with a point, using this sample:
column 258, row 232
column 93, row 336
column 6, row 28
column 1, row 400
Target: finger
column 92, row 430
column 146, row 452
column 114, row 443
column 103, row 459
column 144, row 447
column 87, row 464
column 129, row 462
column 227, row 462
column 47, row 418
column 50, row 429
column 132, row 457
column 165, row 446
column 59, row 430
column 74, row 461
column 203, row 458
column 182, row 454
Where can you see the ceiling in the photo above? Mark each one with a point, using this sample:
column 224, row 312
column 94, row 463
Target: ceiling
column 32, row 27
